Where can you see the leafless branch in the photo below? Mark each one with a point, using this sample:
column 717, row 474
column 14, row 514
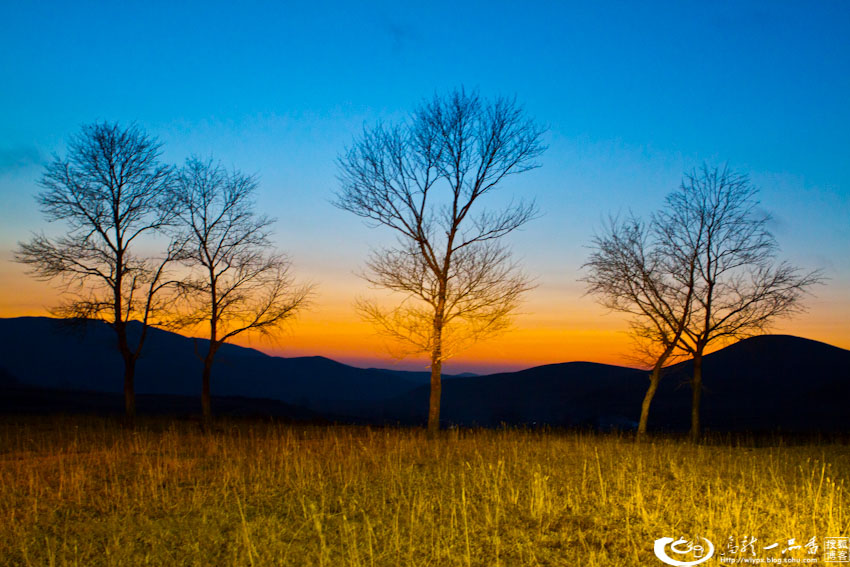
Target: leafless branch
column 425, row 179
column 109, row 191
column 235, row 283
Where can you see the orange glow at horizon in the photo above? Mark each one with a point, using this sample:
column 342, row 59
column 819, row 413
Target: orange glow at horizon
column 556, row 326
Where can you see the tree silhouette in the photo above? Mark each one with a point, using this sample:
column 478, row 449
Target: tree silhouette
column 702, row 272
column 634, row 269
column 111, row 192
column 236, row 283
column 740, row 288
column 425, row 179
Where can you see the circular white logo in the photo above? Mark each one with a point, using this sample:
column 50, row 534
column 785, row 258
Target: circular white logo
column 683, row 547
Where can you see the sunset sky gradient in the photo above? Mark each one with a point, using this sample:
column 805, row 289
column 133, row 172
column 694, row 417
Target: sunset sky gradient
column 632, row 94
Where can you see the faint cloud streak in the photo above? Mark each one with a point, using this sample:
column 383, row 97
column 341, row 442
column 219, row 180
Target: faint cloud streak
column 401, row 34
column 13, row 160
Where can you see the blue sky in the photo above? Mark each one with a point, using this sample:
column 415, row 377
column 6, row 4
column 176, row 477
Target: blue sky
column 633, row 94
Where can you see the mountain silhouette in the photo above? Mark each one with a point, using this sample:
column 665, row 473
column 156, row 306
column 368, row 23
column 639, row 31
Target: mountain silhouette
column 30, row 400
column 50, row 353
column 777, row 382
column 567, row 394
column 771, row 382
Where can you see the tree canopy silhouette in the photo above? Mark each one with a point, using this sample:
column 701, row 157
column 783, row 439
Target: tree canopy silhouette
column 704, row 271
column 111, row 192
column 237, row 283
column 426, row 179
column 634, row 270
column 741, row 288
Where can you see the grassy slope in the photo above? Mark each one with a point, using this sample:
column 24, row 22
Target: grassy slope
column 85, row 492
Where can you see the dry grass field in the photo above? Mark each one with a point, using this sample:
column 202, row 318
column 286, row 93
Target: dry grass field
column 84, row 491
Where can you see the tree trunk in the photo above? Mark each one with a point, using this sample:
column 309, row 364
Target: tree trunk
column 206, row 403
column 436, row 379
column 129, row 373
column 436, row 392
column 654, row 379
column 129, row 390
column 696, row 392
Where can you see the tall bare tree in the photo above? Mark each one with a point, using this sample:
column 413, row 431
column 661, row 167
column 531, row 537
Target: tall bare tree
column 425, row 179
column 636, row 270
column 740, row 287
column 111, row 191
column 236, row 282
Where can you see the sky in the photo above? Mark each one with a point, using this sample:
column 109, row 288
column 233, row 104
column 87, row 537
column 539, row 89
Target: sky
column 632, row 95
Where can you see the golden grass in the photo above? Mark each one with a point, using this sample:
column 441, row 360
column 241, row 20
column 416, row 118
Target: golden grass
column 86, row 492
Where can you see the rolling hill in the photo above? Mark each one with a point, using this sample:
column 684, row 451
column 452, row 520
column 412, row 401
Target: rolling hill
column 763, row 383
column 48, row 353
column 771, row 382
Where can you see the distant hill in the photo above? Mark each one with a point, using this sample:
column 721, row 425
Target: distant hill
column 766, row 382
column 50, row 353
column 6, row 378
column 771, row 382
column 568, row 394
column 763, row 383
column 31, row 400
column 419, row 376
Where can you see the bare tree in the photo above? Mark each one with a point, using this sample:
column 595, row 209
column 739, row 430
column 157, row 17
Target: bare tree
column 236, row 283
column 635, row 270
column 425, row 179
column 740, row 288
column 112, row 192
